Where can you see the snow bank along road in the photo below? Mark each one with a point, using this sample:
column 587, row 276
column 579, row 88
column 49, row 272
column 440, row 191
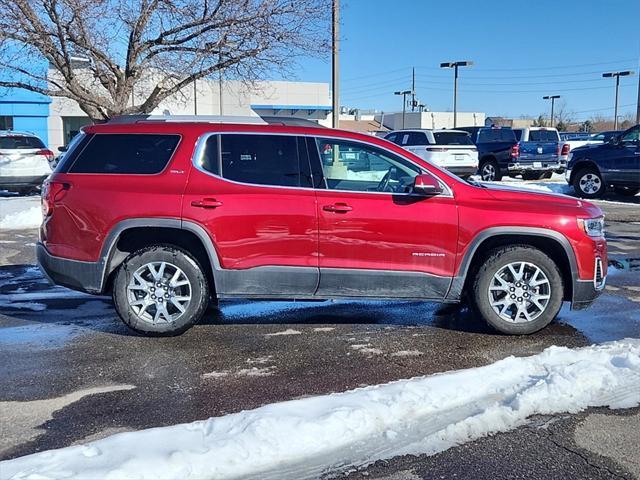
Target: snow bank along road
column 304, row 438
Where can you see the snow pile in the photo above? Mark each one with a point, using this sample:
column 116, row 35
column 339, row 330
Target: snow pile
column 30, row 218
column 307, row 437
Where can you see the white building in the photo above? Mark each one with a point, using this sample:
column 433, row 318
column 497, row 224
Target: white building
column 431, row 120
column 299, row 99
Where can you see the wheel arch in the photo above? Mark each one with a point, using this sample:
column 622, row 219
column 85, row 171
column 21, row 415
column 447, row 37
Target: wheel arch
column 133, row 234
column 581, row 165
column 552, row 243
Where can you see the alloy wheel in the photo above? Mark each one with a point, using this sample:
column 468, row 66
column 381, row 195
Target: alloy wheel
column 519, row 292
column 488, row 172
column 159, row 292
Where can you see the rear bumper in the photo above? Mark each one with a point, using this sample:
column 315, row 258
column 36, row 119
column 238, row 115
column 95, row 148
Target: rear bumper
column 22, row 181
column 542, row 166
column 74, row 274
column 462, row 171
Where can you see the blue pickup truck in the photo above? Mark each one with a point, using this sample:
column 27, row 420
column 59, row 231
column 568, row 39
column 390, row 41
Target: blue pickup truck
column 537, row 153
column 616, row 163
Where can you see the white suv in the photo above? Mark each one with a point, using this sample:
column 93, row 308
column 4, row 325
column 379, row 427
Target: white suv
column 24, row 161
column 450, row 149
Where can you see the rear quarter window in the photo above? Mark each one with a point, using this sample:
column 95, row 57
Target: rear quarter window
column 452, row 138
column 115, row 153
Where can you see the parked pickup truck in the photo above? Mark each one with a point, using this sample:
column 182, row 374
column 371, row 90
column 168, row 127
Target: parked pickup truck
column 496, row 148
column 538, row 153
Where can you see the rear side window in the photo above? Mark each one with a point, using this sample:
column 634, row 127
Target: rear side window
column 20, row 142
column 543, row 136
column 263, row 160
column 116, row 153
column 417, row 138
column 452, row 138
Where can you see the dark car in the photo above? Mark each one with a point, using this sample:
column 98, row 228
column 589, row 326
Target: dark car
column 496, row 150
column 591, row 169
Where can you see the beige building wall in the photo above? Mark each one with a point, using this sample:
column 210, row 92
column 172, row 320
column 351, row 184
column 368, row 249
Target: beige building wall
column 266, row 98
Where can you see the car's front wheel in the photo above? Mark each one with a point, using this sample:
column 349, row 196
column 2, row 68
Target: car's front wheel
column 160, row 290
column 517, row 290
column 588, row 183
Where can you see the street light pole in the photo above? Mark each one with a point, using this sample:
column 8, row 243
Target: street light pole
column 404, row 94
column 455, row 66
column 617, row 76
column 334, row 62
column 552, row 98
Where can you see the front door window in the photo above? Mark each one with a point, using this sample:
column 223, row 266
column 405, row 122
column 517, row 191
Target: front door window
column 351, row 166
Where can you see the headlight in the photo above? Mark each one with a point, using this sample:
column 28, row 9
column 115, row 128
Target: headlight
column 594, row 227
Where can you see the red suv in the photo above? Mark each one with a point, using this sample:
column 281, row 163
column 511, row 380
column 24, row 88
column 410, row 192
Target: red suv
column 170, row 215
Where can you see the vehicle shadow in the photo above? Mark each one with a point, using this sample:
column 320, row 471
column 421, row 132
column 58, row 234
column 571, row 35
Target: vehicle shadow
column 54, row 313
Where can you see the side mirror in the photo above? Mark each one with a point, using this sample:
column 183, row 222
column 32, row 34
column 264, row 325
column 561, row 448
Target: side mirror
column 62, row 148
column 425, row 184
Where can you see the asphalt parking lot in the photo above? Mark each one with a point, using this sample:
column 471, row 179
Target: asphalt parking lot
column 72, row 372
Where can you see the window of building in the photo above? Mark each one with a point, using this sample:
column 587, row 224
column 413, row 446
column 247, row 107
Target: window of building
column 6, row 122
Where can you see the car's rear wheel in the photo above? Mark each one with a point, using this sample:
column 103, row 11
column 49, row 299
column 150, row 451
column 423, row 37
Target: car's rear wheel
column 160, row 290
column 489, row 171
column 517, row 290
column 627, row 191
column 588, row 183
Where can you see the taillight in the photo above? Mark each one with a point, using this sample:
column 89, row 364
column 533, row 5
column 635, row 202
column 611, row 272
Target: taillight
column 565, row 149
column 46, row 153
column 51, row 193
column 515, row 151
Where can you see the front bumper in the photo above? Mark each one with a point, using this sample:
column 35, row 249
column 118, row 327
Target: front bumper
column 74, row 274
column 586, row 291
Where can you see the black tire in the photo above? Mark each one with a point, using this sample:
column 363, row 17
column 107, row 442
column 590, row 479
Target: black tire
column 588, row 183
column 489, row 171
column 627, row 191
column 174, row 257
column 499, row 259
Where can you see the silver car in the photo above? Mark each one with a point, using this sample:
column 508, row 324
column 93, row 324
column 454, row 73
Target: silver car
column 24, row 161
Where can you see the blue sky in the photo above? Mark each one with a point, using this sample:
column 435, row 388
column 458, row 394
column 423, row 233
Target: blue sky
column 522, row 50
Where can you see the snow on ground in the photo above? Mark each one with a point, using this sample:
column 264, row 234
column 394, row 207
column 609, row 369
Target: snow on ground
column 308, row 437
column 556, row 184
column 20, row 212
column 288, row 331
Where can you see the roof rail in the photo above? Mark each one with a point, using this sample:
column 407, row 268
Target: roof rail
column 186, row 118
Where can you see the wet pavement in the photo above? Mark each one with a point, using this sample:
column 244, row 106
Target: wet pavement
column 82, row 375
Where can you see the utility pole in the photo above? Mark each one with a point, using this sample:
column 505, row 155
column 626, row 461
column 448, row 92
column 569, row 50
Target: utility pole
column 638, row 103
column 195, row 98
column 552, row 98
column 404, row 94
column 617, row 76
column 413, row 89
column 455, row 66
column 334, row 62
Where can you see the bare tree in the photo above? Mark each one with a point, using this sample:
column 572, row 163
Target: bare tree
column 97, row 52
